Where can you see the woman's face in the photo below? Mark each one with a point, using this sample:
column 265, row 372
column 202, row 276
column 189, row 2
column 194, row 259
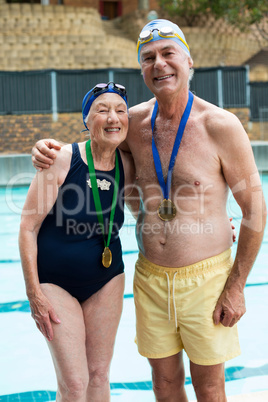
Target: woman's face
column 108, row 119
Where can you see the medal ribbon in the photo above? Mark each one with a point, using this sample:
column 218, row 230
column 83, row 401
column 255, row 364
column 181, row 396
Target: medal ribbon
column 165, row 187
column 95, row 191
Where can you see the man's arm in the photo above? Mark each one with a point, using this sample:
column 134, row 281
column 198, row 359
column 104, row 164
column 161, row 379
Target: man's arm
column 43, row 154
column 241, row 174
column 132, row 196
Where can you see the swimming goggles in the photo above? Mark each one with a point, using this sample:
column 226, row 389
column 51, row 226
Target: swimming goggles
column 165, row 32
column 102, row 87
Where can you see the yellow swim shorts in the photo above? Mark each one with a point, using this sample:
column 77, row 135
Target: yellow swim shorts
column 174, row 310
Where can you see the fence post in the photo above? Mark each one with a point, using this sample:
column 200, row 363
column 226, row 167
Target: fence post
column 110, row 76
column 54, row 95
column 219, row 87
column 247, row 87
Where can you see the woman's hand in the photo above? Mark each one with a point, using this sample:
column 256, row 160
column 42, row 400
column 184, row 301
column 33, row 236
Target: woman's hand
column 42, row 154
column 43, row 314
column 233, row 229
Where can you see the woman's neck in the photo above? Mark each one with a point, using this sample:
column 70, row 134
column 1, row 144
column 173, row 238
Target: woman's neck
column 103, row 156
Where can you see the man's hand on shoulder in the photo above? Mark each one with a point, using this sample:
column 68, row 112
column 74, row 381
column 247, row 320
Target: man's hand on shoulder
column 43, row 154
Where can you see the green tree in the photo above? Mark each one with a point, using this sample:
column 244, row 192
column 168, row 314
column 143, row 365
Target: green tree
column 241, row 13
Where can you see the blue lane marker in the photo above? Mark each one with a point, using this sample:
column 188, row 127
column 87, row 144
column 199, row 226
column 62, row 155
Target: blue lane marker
column 24, row 307
column 17, row 306
column 9, row 261
column 231, row 374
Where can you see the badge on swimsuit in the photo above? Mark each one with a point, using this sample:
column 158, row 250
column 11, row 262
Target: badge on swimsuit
column 107, row 254
column 167, row 209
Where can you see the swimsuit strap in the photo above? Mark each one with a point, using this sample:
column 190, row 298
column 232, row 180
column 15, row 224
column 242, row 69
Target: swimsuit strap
column 76, row 155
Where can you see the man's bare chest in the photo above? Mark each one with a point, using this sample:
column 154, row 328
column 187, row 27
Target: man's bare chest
column 192, row 160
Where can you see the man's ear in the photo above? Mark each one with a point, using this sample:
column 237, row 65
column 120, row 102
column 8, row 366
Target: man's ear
column 190, row 61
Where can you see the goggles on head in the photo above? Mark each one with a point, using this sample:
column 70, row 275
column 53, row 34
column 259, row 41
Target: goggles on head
column 98, row 90
column 102, row 87
column 164, row 32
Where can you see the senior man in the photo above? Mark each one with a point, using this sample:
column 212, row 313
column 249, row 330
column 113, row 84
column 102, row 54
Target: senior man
column 189, row 293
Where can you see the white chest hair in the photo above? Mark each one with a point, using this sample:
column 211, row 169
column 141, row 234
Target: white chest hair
column 164, row 135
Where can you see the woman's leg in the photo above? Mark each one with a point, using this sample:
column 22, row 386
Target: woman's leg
column 102, row 312
column 68, row 345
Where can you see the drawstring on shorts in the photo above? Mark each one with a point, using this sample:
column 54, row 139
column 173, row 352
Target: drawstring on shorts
column 173, row 292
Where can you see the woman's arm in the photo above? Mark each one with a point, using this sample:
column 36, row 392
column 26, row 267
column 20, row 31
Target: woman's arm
column 40, row 199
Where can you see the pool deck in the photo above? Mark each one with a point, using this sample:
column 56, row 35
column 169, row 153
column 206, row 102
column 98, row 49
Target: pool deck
column 253, row 397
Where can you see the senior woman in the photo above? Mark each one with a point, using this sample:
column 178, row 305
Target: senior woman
column 71, row 252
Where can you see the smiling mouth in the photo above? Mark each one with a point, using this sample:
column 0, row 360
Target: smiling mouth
column 164, row 77
column 112, row 130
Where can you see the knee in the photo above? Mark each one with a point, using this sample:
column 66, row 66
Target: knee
column 165, row 386
column 98, row 377
column 209, row 392
column 73, row 389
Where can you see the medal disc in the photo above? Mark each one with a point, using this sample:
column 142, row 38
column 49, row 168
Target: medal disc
column 106, row 257
column 166, row 210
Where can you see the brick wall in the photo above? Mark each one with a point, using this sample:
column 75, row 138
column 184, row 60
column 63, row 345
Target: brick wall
column 19, row 133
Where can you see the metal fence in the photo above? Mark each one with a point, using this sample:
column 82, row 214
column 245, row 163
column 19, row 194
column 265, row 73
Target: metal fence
column 224, row 86
column 259, row 101
column 62, row 91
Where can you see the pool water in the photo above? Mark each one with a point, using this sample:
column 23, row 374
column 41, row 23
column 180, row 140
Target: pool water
column 26, row 370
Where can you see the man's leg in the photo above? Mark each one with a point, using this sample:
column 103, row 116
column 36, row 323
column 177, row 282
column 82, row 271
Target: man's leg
column 168, row 379
column 208, row 382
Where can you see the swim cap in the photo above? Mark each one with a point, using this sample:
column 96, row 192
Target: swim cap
column 155, row 26
column 98, row 90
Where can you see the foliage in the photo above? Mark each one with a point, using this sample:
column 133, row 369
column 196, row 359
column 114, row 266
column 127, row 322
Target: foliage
column 241, row 13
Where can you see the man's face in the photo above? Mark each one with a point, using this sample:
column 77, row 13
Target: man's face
column 165, row 66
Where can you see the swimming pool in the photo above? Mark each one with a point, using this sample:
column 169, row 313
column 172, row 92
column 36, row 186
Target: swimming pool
column 26, row 371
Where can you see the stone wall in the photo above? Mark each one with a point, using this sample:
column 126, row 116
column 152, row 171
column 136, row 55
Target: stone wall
column 258, row 73
column 34, row 37
column 212, row 43
column 78, row 3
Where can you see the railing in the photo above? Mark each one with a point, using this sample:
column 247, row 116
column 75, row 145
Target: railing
column 259, row 101
column 62, row 91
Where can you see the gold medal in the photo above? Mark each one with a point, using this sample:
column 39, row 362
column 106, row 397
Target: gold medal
column 106, row 257
column 166, row 210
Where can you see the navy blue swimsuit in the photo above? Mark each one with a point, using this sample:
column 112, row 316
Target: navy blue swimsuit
column 70, row 241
